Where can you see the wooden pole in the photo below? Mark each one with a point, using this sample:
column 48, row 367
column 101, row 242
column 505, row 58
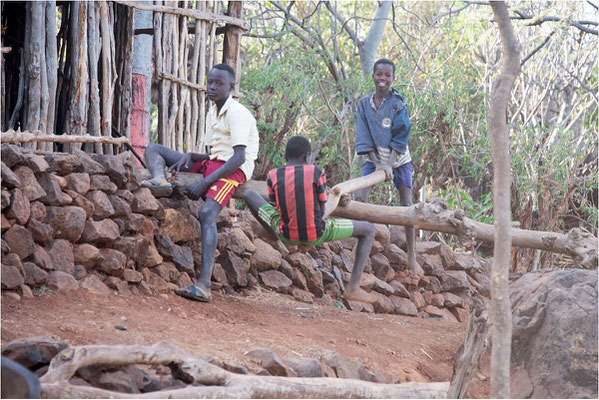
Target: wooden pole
column 93, row 39
column 107, row 98
column 51, row 67
column 34, row 65
column 232, row 40
column 12, row 136
column 159, row 64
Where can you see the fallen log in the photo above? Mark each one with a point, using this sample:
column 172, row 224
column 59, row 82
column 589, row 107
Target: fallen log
column 218, row 383
column 435, row 216
column 12, row 136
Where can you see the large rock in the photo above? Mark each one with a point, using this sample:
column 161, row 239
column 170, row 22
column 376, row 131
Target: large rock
column 275, row 280
column 400, row 289
column 100, row 232
column 236, row 269
column 431, row 263
column 68, row 222
column 93, row 284
column 29, row 184
column 403, row 306
column 120, row 206
column 315, row 283
column 305, row 367
column 42, row 259
column 383, row 305
column 240, row 244
column 554, row 335
column 53, row 191
column 144, row 202
column 9, row 178
column 38, row 210
column 78, row 182
column 381, row 267
column 113, row 167
column 87, row 255
column 11, row 276
column 455, row 281
column 12, row 155
column 343, row 366
column 102, row 205
column 20, row 241
column 41, row 233
column 179, row 227
column 271, row 362
column 103, row 183
column 61, row 281
column 87, row 164
column 34, row 352
column 61, row 253
column 63, row 163
column 20, row 208
column 181, row 256
column 265, row 257
column 34, row 275
column 113, row 262
column 441, row 313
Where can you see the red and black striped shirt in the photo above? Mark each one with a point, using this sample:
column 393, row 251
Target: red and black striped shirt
column 297, row 190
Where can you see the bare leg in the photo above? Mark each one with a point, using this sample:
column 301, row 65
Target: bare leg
column 362, row 194
column 254, row 201
column 405, row 198
column 207, row 217
column 157, row 158
column 364, row 231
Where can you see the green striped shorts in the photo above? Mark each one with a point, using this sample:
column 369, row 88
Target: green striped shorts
column 335, row 229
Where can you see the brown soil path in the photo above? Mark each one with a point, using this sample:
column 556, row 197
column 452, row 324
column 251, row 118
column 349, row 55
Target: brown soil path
column 405, row 348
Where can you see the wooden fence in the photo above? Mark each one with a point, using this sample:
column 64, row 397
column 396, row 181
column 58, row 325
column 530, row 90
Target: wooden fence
column 66, row 68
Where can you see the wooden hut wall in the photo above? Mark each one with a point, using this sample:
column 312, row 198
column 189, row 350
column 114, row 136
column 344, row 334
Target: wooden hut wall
column 66, row 68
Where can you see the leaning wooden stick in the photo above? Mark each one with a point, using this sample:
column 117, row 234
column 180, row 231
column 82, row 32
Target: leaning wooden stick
column 12, row 136
column 351, row 186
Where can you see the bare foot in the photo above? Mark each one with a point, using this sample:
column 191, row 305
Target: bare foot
column 415, row 267
column 360, row 294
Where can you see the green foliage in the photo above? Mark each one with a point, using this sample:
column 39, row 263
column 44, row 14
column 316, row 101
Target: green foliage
column 481, row 210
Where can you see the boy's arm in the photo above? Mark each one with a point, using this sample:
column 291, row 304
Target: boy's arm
column 400, row 131
column 364, row 142
column 226, row 169
column 188, row 160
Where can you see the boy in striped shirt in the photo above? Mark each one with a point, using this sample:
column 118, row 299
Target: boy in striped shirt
column 299, row 192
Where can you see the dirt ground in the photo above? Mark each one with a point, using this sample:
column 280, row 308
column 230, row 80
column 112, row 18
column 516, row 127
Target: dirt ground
column 406, row 348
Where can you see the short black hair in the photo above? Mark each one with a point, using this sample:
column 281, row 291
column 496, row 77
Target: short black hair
column 297, row 146
column 226, row 67
column 383, row 61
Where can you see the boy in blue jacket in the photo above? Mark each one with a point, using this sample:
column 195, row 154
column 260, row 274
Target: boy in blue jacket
column 382, row 132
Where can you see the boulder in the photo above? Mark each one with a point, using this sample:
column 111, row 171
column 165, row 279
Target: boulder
column 68, row 222
column 53, row 191
column 554, row 335
column 144, row 202
column 63, row 163
column 34, row 352
column 19, row 208
column 9, row 178
column 61, row 253
column 382, row 234
column 219, row 275
column 181, row 256
column 12, row 155
column 42, row 259
column 275, row 280
column 34, row 275
column 454, row 281
column 383, row 305
column 41, row 233
column 120, row 206
column 5, row 224
column 26, row 292
column 87, row 255
column 452, row 300
column 460, row 313
column 431, row 263
column 103, row 183
column 93, row 284
column 113, row 167
column 305, row 367
column 271, row 362
column 315, row 283
column 184, row 280
column 100, row 232
column 87, row 164
column 400, row 289
column 417, row 299
column 265, row 257
column 82, row 202
column 125, row 195
column 180, row 227
column 80, row 272
column 37, row 163
column 29, row 184
column 441, row 313
column 102, row 205
column 302, row 295
column 38, row 210
column 19, row 241
column 403, row 306
column 358, row 306
column 11, row 276
column 236, row 269
column 60, row 281
column 132, row 276
column 343, row 366
column 113, row 262
column 240, row 244
column 78, row 182
column 382, row 287
column 119, row 285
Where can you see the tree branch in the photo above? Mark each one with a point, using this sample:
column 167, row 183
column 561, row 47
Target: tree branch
column 539, row 47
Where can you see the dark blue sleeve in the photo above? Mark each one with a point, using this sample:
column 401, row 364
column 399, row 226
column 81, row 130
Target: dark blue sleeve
column 364, row 142
column 400, row 130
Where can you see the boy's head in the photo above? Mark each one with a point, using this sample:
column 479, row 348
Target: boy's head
column 298, row 148
column 220, row 82
column 383, row 74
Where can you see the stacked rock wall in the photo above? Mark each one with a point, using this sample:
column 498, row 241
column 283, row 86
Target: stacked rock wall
column 81, row 220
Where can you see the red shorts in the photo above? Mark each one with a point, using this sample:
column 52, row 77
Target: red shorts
column 221, row 190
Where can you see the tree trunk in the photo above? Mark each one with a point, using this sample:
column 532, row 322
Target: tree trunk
column 232, row 40
column 35, row 45
column 367, row 48
column 51, row 67
column 214, row 382
column 93, row 39
column 501, row 315
column 107, row 61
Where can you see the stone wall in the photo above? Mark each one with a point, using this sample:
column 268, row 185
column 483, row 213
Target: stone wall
column 82, row 221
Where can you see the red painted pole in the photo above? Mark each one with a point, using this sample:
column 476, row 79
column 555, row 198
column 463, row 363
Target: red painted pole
column 140, row 115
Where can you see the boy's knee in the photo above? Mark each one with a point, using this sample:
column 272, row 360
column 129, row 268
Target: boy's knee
column 207, row 215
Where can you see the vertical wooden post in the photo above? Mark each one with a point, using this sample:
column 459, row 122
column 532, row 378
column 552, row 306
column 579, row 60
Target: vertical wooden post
column 51, row 68
column 107, row 61
column 34, row 65
column 201, row 132
column 232, row 41
column 93, row 38
column 159, row 63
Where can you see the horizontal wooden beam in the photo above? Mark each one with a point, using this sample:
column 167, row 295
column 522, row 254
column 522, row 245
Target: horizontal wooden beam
column 12, row 136
column 187, row 12
column 436, row 217
column 191, row 85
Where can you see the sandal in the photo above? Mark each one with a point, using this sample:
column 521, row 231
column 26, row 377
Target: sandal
column 194, row 292
column 158, row 189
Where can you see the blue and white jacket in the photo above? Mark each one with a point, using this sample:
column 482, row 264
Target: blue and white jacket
column 384, row 129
